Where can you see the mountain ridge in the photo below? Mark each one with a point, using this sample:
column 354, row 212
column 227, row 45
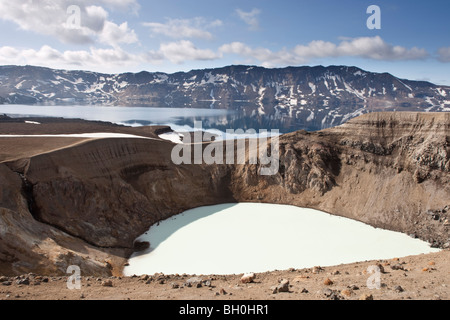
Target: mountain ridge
column 310, row 98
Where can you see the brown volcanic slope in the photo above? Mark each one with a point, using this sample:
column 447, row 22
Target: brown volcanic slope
column 84, row 203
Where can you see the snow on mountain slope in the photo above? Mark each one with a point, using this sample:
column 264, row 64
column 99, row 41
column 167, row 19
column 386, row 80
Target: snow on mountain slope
column 300, row 97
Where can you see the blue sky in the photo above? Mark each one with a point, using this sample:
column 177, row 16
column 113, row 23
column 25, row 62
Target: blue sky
column 179, row 35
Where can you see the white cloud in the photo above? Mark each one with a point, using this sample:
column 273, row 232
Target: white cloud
column 376, row 48
column 265, row 56
column 373, row 48
column 51, row 17
column 8, row 54
column 105, row 60
column 94, row 59
column 131, row 5
column 184, row 28
column 181, row 51
column 444, row 54
column 94, row 19
column 250, row 18
column 114, row 34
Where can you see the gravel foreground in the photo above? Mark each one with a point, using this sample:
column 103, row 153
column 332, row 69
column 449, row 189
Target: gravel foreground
column 424, row 277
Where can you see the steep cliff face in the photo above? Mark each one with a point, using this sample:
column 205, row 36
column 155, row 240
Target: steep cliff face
column 390, row 170
column 91, row 200
column 28, row 245
column 108, row 191
column 101, row 195
column 418, row 142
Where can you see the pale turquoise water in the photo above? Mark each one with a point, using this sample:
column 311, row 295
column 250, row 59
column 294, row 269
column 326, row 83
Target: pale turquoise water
column 239, row 238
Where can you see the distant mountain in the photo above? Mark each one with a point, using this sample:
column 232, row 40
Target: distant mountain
column 309, row 98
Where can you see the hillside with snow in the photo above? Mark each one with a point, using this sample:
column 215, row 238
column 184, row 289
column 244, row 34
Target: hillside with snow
column 310, row 98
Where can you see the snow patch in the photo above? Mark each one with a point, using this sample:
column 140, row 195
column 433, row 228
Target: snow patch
column 19, row 85
column 98, row 135
column 172, row 136
column 313, row 87
column 349, row 89
column 410, row 89
column 261, row 92
column 160, row 78
column 123, row 84
column 441, row 92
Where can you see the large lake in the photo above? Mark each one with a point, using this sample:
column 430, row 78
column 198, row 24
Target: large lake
column 181, row 119
column 239, row 238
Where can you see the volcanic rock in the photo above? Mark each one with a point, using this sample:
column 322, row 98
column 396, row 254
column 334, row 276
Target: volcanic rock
column 83, row 202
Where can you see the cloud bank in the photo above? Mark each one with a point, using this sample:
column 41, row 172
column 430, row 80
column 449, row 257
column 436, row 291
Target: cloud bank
column 49, row 17
column 184, row 28
column 374, row 48
column 103, row 41
column 178, row 52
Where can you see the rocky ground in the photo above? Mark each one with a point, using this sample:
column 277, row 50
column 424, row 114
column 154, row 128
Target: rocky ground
column 424, row 277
